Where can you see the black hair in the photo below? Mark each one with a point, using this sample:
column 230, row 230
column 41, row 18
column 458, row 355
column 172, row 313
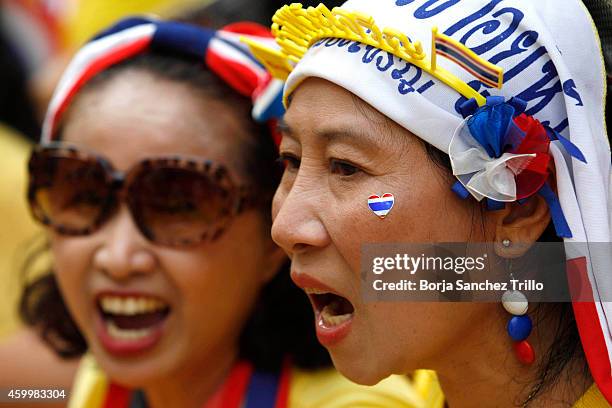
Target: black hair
column 262, row 341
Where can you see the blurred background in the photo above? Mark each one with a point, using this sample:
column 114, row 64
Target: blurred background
column 37, row 39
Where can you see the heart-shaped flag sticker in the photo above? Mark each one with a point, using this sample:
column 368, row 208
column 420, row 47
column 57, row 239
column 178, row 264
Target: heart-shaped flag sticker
column 381, row 205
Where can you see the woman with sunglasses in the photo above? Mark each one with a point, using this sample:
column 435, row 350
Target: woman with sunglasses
column 155, row 184
column 431, row 122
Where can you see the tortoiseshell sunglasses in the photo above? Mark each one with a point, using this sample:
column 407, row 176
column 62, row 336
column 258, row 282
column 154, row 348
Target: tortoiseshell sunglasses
column 173, row 201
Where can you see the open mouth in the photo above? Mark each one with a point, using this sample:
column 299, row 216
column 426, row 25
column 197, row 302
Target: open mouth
column 132, row 318
column 331, row 309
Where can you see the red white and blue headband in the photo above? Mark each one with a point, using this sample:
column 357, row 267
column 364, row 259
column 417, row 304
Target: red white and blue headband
column 502, row 87
column 220, row 51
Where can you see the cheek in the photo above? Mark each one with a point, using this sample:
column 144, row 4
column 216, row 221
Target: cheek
column 351, row 222
column 71, row 265
column 71, row 259
column 424, row 210
column 219, row 283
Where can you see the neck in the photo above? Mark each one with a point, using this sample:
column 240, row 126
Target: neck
column 192, row 387
column 483, row 368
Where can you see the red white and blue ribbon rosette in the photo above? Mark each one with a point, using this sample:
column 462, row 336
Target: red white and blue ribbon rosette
column 501, row 154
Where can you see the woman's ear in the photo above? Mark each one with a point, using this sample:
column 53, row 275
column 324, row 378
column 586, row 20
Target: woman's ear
column 518, row 226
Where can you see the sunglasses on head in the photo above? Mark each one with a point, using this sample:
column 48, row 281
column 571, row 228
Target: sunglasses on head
column 173, row 201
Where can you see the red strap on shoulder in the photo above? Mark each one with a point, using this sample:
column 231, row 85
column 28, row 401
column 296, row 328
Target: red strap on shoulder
column 282, row 398
column 232, row 392
column 230, row 395
column 117, row 397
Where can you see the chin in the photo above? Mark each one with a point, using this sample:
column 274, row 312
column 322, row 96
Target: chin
column 359, row 371
column 133, row 381
column 136, row 370
column 133, row 375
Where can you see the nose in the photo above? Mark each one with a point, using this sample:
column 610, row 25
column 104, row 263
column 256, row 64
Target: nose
column 124, row 252
column 297, row 211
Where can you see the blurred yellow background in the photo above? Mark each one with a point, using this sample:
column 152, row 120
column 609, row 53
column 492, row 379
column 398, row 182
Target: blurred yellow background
column 17, row 227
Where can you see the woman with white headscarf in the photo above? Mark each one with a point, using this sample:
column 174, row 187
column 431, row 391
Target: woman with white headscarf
column 481, row 121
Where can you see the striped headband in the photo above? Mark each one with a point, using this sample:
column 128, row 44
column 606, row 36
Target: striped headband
column 504, row 87
column 221, row 51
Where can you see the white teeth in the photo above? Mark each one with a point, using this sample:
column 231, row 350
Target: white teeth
column 329, row 319
column 126, row 334
column 130, row 305
column 312, row 291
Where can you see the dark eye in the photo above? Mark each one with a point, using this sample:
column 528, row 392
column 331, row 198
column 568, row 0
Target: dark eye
column 342, row 168
column 290, row 162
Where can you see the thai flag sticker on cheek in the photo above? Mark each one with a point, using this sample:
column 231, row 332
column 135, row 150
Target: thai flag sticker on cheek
column 381, row 205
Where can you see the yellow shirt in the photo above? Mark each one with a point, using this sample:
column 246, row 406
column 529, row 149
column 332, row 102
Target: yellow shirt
column 320, row 389
column 593, row 398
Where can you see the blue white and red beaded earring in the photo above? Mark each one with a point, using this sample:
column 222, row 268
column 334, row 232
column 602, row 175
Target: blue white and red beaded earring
column 520, row 325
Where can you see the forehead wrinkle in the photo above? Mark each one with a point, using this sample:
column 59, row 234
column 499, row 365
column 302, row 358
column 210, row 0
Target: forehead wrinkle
column 389, row 132
column 364, row 127
column 373, row 139
column 349, row 120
